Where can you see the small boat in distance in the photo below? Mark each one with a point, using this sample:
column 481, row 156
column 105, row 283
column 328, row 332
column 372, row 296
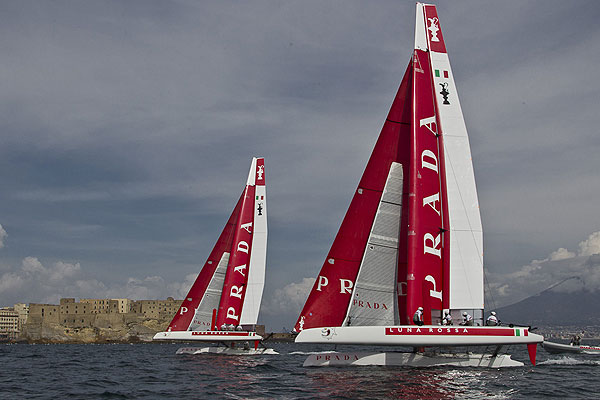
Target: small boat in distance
column 557, row 348
column 412, row 237
column 223, row 303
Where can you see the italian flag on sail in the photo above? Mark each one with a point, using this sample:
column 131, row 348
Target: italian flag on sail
column 439, row 73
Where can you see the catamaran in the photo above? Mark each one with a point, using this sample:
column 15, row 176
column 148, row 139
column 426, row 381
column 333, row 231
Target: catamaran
column 412, row 236
column 223, row 303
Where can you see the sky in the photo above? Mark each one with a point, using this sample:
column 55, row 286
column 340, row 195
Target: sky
column 127, row 130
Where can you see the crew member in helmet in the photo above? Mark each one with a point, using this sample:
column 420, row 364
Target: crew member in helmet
column 467, row 319
column 447, row 320
column 492, row 319
column 418, row 317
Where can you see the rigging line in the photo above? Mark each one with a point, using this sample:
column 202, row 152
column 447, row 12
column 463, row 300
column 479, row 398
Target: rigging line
column 547, row 289
column 490, row 293
column 559, row 283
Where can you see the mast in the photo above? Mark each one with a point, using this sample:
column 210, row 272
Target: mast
column 424, row 275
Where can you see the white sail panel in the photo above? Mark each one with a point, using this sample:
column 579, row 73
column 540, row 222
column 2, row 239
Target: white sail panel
column 466, row 234
column 420, row 36
column 374, row 299
column 258, row 260
column 251, row 181
column 202, row 320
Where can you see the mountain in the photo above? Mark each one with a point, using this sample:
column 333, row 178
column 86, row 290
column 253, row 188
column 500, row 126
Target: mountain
column 551, row 307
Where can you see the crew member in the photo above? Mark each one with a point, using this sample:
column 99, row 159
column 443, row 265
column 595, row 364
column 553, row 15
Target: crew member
column 492, row 319
column 418, row 317
column 447, row 320
column 467, row 319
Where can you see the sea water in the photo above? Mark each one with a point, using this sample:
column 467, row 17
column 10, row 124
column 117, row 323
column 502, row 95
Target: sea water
column 154, row 371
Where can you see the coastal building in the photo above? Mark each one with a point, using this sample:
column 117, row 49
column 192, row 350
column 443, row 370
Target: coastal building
column 124, row 305
column 23, row 310
column 38, row 313
column 9, row 323
column 157, row 309
column 102, row 306
column 75, row 315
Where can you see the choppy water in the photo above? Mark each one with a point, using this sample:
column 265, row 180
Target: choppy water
column 150, row 371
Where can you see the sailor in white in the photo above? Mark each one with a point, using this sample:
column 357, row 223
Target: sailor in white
column 418, row 317
column 492, row 319
column 467, row 319
column 447, row 320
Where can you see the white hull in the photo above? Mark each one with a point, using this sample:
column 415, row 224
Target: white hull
column 410, row 360
column 226, row 351
column 567, row 348
column 420, row 336
column 209, row 336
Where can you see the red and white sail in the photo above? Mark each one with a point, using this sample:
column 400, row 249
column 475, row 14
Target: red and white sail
column 255, row 281
column 412, row 235
column 228, row 289
column 464, row 286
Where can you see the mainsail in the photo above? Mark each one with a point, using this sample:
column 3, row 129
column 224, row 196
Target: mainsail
column 228, row 289
column 412, row 234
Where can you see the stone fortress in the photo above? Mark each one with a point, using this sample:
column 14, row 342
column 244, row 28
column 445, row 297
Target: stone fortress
column 87, row 321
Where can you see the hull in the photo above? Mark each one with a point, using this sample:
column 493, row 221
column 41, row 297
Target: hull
column 423, row 336
column 567, row 348
column 226, row 351
column 208, row 336
column 410, row 360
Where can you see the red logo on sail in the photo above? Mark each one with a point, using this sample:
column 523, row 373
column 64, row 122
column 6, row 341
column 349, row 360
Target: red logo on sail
column 434, row 31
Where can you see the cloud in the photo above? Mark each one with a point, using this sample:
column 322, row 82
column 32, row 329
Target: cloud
column 561, row 254
column 38, row 283
column 590, row 246
column 562, row 271
column 289, row 299
column 181, row 289
column 3, row 235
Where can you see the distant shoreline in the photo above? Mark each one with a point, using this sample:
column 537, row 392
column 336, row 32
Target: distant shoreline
column 269, row 337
